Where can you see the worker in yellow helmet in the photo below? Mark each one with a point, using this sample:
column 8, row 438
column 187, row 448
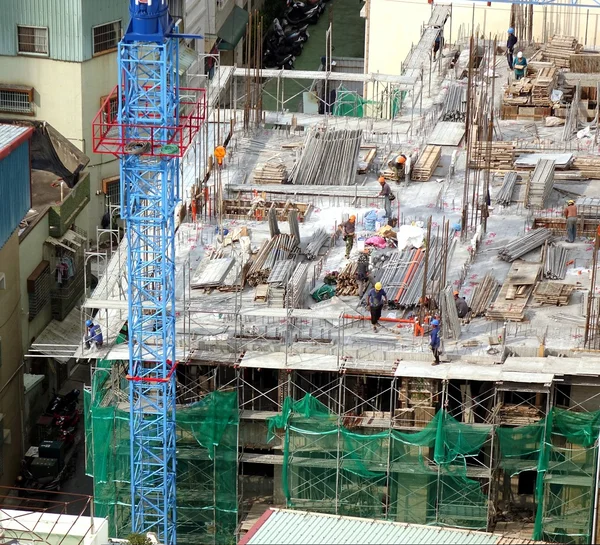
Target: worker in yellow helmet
column 375, row 301
column 220, row 153
column 349, row 233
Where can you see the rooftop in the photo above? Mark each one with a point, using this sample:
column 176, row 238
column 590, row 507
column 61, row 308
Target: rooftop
column 12, row 136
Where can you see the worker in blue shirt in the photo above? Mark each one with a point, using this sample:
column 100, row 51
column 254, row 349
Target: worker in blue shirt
column 434, row 342
column 375, row 301
column 520, row 66
column 93, row 336
column 510, row 47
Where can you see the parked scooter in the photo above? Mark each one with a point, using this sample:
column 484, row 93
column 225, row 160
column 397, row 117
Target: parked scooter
column 291, row 35
column 60, row 404
column 299, row 13
column 273, row 60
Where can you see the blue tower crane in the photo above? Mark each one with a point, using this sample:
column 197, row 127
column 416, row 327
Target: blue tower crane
column 153, row 129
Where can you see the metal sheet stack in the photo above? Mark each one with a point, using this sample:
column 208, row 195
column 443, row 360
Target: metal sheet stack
column 329, row 157
column 295, row 290
column 317, row 241
column 483, row 294
column 525, row 244
column 555, row 266
column 280, row 247
column 504, row 196
column 270, row 173
column 213, row 273
column 539, row 186
column 281, row 273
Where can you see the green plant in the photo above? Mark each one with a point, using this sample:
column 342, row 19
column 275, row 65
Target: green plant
column 138, row 539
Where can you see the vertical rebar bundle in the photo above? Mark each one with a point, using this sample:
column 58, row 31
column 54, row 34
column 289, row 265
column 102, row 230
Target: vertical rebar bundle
column 296, row 287
column 280, row 247
column 450, row 319
column 483, row 295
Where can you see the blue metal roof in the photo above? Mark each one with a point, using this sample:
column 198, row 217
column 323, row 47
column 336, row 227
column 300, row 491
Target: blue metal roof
column 9, row 134
column 282, row 527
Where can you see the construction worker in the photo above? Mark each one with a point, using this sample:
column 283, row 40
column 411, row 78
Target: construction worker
column 386, row 193
column 571, row 215
column 194, row 208
column 220, row 153
column 398, row 166
column 436, row 45
column 375, row 301
column 362, row 271
column 462, row 308
column 510, row 47
column 520, row 66
column 93, row 336
column 349, row 232
column 434, row 341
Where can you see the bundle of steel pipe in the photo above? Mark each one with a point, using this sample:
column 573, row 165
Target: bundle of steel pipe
column 525, row 244
column 483, row 294
column 273, row 225
column 318, row 239
column 555, row 267
column 504, row 196
column 281, row 272
column 329, row 157
column 450, row 319
column 280, row 247
column 455, row 103
column 296, row 287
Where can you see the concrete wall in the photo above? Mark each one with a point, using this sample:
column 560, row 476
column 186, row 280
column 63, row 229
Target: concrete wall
column 30, row 255
column 11, row 356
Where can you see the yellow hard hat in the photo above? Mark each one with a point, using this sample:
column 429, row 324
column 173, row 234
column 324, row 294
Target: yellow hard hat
column 378, row 286
column 570, row 201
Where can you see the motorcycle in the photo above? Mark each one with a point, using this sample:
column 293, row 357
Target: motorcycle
column 67, row 420
column 290, row 36
column 272, row 60
column 60, row 404
column 299, row 13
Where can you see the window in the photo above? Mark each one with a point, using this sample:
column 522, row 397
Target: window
column 38, row 288
column 106, row 37
column 111, row 111
column 32, row 40
column 111, row 187
column 16, row 99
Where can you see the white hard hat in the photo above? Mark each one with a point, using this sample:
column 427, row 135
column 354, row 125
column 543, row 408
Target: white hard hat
column 520, row 54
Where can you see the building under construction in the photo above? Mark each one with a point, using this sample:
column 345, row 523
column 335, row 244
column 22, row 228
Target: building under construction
column 286, row 396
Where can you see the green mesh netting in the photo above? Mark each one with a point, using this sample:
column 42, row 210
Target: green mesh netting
column 417, row 477
column 351, row 104
column 207, row 435
column 438, row 475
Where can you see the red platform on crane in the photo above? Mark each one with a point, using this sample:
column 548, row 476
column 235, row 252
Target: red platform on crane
column 110, row 136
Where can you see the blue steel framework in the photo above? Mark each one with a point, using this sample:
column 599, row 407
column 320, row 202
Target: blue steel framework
column 150, row 135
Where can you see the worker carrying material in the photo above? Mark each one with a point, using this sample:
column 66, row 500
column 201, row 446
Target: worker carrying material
column 434, row 341
column 520, row 66
column 386, row 193
column 510, row 47
column 93, row 336
column 220, row 153
column 398, row 166
column 362, row 271
column 349, row 233
column 571, row 216
column 462, row 307
column 375, row 301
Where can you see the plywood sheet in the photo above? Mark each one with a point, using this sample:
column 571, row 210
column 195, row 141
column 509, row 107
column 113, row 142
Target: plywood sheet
column 447, row 133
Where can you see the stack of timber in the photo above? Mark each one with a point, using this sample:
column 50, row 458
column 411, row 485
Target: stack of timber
column 560, row 49
column 525, row 244
column 585, row 63
column 366, row 155
column 588, row 165
column 543, row 85
column 270, row 173
column 539, row 185
column 518, row 92
column 329, row 157
column 258, row 209
column 501, row 155
column 483, row 294
column 277, row 248
column 519, row 415
column 426, row 164
column 553, row 293
column 346, row 280
column 515, row 292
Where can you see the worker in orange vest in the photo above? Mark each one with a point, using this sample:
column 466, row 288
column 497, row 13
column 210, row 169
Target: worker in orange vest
column 220, row 153
column 194, row 209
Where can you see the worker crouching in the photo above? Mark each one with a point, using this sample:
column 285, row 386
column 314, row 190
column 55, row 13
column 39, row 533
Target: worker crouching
column 93, row 336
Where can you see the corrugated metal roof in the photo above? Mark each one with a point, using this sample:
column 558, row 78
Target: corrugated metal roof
column 9, row 133
column 284, row 527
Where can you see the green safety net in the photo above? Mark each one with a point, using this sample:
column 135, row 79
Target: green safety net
column 440, row 474
column 207, row 434
column 419, row 477
column 351, row 104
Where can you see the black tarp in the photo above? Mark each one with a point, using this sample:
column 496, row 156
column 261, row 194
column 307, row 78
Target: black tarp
column 52, row 152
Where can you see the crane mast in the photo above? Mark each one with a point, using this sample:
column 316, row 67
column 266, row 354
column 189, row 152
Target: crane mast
column 153, row 130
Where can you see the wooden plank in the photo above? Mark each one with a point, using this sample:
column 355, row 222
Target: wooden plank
column 426, row 164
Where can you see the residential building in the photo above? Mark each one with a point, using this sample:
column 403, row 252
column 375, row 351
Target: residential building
column 15, row 199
